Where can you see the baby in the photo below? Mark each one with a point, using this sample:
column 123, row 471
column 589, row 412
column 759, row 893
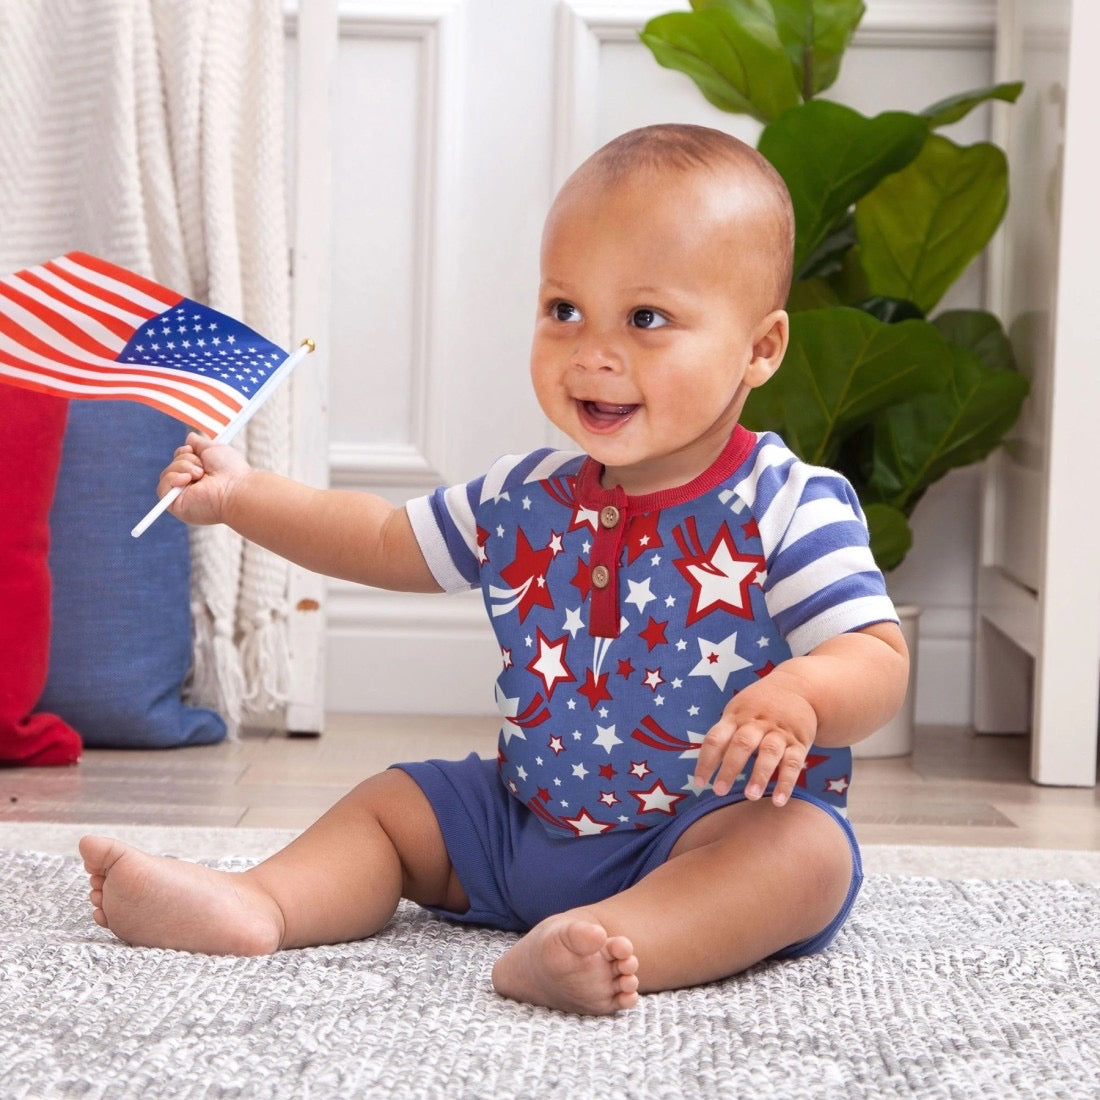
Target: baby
column 692, row 632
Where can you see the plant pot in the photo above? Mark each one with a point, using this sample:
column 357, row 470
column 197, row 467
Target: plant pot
column 896, row 737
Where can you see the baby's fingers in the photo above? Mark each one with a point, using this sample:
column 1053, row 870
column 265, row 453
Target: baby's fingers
column 184, row 470
column 725, row 748
column 779, row 760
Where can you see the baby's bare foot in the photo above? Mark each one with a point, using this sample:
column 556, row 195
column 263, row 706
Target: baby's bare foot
column 569, row 962
column 153, row 901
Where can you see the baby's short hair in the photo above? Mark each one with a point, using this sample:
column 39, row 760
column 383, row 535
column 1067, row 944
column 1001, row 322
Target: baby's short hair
column 683, row 147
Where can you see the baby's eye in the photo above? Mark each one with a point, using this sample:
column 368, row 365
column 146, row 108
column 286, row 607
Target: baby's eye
column 647, row 318
column 565, row 311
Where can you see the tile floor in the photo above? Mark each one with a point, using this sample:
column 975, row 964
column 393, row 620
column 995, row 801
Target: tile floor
column 956, row 788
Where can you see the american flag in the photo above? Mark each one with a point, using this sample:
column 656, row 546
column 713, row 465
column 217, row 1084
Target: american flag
column 79, row 326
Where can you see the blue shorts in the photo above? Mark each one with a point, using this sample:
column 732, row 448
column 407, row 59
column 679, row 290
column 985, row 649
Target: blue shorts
column 516, row 872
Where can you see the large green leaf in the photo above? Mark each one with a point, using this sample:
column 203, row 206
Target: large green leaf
column 842, row 370
column 891, row 535
column 815, row 34
column 919, row 441
column 980, row 332
column 830, row 156
column 736, row 60
column 920, row 228
column 950, row 110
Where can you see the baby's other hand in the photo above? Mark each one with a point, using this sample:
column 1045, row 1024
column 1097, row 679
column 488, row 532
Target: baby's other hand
column 206, row 472
column 769, row 719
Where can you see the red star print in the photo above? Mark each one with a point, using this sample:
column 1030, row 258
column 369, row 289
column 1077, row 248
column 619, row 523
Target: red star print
column 607, row 771
column 544, row 794
column 769, row 667
column 750, row 529
column 525, row 571
column 641, row 535
column 812, row 761
column 582, row 579
column 654, row 634
column 595, row 688
column 625, row 668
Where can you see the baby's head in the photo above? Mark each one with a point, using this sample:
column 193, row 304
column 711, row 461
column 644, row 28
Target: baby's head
column 748, row 198
column 666, row 261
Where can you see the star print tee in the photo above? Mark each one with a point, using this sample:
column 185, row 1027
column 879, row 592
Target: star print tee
column 626, row 623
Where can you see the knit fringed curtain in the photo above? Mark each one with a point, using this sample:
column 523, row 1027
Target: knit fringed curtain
column 151, row 132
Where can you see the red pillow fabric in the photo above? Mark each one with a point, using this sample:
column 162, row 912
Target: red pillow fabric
column 31, row 426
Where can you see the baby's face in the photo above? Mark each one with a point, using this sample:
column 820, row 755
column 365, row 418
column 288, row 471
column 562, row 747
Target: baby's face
column 651, row 325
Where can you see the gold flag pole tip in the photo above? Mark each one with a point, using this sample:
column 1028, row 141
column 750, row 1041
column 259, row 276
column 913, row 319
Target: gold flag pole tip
column 308, row 343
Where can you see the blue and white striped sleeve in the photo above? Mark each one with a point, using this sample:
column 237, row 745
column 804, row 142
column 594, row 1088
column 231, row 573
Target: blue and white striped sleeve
column 821, row 577
column 445, row 522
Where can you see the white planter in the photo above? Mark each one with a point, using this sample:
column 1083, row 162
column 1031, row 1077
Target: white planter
column 896, row 737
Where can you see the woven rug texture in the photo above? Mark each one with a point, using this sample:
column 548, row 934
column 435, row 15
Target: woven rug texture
column 935, row 988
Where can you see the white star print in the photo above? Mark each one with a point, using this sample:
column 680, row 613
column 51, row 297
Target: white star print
column 720, row 579
column 606, row 739
column 573, row 621
column 550, row 663
column 640, row 594
column 586, row 825
column 580, row 771
column 509, row 708
column 657, row 799
column 719, row 660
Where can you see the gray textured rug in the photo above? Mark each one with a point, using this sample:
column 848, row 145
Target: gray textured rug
column 936, row 988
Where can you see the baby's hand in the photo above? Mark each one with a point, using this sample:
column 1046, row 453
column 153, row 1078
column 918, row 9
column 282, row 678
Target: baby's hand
column 206, row 472
column 770, row 719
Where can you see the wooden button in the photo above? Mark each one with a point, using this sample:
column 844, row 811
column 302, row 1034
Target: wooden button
column 609, row 516
column 601, row 576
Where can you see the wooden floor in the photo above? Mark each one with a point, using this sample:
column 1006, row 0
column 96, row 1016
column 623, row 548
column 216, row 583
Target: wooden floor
column 956, row 788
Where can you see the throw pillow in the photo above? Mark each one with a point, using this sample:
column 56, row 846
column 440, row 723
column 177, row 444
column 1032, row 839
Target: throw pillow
column 121, row 644
column 33, row 426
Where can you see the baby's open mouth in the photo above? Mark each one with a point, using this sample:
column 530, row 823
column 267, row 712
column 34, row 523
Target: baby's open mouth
column 604, row 412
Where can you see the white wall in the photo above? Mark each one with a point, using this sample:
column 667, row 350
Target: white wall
column 456, row 119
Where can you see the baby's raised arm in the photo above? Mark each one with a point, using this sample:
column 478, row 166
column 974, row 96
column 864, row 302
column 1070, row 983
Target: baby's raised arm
column 351, row 535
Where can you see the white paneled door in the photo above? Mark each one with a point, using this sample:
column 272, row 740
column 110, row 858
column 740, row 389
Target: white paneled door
column 452, row 123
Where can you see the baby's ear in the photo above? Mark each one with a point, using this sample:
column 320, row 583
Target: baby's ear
column 768, row 348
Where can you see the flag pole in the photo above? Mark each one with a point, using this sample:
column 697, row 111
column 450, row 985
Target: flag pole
column 232, row 428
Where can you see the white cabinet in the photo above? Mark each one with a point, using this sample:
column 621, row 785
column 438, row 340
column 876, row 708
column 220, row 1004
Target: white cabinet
column 1037, row 654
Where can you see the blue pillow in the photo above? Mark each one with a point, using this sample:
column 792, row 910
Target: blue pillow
column 120, row 644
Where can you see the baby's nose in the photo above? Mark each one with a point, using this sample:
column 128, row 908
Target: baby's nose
column 597, row 353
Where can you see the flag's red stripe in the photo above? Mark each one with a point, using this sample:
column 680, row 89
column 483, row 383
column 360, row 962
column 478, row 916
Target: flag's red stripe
column 171, row 410
column 130, row 278
column 108, row 320
column 28, row 340
column 108, row 384
column 62, row 325
column 119, row 301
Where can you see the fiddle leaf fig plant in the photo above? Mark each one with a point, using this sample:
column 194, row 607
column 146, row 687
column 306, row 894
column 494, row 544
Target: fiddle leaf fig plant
column 889, row 212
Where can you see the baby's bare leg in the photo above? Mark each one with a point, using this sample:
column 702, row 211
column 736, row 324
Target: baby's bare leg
column 340, row 880
column 742, row 883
